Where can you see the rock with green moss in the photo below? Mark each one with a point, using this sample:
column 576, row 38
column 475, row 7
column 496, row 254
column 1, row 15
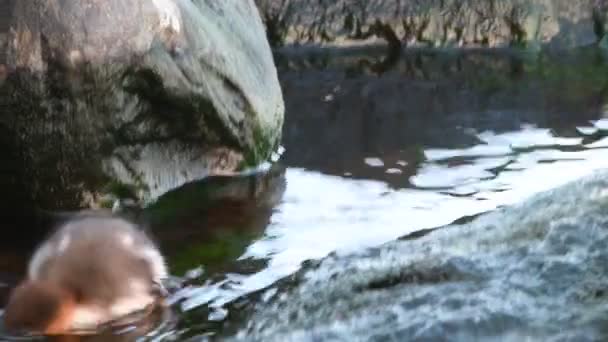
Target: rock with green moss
column 436, row 23
column 149, row 94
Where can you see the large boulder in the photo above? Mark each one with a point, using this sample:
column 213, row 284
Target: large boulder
column 488, row 23
column 144, row 94
column 534, row 271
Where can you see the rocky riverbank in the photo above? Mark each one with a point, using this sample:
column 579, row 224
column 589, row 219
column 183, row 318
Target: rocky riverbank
column 435, row 23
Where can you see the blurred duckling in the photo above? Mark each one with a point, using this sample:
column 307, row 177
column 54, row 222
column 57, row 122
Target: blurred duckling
column 90, row 272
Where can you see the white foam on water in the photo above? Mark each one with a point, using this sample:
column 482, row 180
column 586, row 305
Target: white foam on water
column 321, row 214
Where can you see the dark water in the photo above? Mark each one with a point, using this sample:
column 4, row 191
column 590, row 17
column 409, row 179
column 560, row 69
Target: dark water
column 376, row 148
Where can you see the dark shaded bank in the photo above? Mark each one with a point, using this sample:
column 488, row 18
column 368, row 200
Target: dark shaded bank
column 428, row 98
column 6, row 7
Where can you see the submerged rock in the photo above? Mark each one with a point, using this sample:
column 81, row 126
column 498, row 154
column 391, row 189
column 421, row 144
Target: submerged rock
column 146, row 94
column 535, row 270
column 561, row 23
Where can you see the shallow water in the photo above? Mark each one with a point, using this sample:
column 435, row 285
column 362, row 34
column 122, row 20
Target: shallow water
column 376, row 151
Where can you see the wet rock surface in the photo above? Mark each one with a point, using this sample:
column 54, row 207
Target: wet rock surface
column 147, row 95
column 534, row 270
column 452, row 23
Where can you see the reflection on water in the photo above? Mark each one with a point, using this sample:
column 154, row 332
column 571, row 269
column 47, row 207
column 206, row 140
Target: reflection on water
column 371, row 158
column 322, row 213
column 373, row 162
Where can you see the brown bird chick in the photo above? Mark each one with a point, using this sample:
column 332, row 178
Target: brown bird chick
column 90, row 272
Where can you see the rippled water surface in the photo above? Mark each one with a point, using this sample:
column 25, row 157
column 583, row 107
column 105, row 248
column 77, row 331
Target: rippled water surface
column 376, row 151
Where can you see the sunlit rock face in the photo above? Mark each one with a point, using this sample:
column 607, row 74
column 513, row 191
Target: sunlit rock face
column 535, row 270
column 147, row 94
column 560, row 23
